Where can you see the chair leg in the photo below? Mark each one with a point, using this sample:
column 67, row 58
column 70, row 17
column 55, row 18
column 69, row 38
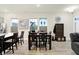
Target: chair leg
column 4, row 51
column 64, row 38
column 45, row 46
column 16, row 45
column 1, row 53
column 21, row 42
column 18, row 42
column 36, row 45
column 55, row 38
column 12, row 49
column 39, row 46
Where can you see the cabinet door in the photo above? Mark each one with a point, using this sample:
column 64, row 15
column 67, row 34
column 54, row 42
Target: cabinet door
column 59, row 29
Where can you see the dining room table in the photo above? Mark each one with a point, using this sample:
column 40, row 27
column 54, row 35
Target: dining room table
column 7, row 38
column 49, row 38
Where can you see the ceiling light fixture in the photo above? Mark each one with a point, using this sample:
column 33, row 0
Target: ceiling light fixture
column 71, row 9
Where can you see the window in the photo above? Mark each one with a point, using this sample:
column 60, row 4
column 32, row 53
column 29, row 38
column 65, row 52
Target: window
column 14, row 25
column 14, row 22
column 33, row 21
column 33, row 24
column 43, row 22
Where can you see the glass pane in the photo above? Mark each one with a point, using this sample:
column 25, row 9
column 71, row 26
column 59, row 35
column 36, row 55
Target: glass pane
column 43, row 22
column 14, row 25
column 33, row 24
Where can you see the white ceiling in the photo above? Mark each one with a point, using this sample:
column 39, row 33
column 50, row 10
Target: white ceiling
column 33, row 8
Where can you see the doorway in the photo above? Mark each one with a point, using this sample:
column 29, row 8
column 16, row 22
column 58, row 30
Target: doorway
column 76, row 24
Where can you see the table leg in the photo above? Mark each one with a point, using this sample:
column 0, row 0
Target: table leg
column 36, row 43
column 29, row 43
column 50, row 43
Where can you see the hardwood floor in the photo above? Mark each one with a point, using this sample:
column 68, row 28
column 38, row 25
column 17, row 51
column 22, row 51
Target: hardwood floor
column 58, row 48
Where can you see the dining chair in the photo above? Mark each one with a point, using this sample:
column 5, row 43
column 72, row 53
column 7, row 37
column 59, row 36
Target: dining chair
column 1, row 43
column 33, row 40
column 15, row 39
column 11, row 42
column 21, row 38
column 8, row 44
column 43, row 40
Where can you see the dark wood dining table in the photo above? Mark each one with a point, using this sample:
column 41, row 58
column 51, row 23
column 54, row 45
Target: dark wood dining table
column 7, row 38
column 49, row 38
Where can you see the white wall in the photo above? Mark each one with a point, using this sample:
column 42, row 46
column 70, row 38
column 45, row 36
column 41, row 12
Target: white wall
column 66, row 19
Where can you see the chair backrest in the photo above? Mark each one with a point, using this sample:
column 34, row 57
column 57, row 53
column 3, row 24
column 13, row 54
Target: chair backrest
column 43, row 36
column 33, row 36
column 1, row 38
column 22, row 34
column 15, row 35
column 1, row 41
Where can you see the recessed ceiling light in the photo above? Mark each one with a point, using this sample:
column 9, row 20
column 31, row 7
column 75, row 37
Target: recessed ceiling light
column 71, row 9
